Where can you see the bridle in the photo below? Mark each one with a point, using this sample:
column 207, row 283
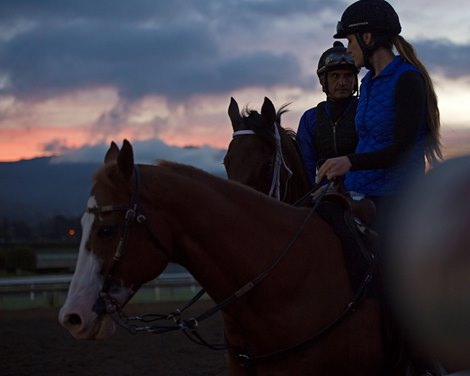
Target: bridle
column 279, row 163
column 105, row 303
column 139, row 324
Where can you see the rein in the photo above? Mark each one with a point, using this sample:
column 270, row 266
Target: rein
column 279, row 162
column 140, row 324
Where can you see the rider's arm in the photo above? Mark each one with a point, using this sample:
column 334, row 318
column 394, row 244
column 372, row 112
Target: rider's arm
column 305, row 134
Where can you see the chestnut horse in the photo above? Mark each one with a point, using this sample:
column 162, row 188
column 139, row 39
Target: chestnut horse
column 276, row 272
column 265, row 156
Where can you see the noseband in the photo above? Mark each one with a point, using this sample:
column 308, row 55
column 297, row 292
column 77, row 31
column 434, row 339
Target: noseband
column 279, row 162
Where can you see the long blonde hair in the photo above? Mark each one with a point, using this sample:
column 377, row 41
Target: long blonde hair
column 432, row 147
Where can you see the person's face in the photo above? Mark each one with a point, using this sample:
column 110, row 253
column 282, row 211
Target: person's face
column 340, row 83
column 355, row 50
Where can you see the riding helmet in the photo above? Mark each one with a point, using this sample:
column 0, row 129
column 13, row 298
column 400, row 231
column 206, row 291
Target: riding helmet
column 334, row 58
column 368, row 16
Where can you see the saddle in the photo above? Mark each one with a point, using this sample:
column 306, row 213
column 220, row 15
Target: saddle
column 363, row 209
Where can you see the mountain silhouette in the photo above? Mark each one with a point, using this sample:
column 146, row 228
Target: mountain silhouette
column 35, row 189
column 38, row 189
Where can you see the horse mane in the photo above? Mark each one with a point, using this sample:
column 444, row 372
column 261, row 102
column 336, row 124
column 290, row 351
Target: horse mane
column 198, row 175
column 190, row 172
column 110, row 176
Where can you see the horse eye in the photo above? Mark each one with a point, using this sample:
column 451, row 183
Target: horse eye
column 107, row 232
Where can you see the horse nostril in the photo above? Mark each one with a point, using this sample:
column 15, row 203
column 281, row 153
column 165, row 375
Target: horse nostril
column 74, row 319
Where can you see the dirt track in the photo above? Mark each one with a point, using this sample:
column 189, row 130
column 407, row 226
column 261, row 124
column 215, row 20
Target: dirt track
column 34, row 344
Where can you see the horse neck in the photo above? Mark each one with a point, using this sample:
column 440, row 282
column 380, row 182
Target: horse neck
column 228, row 235
column 299, row 182
column 222, row 232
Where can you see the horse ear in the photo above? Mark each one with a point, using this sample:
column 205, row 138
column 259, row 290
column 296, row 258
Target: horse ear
column 125, row 160
column 112, row 153
column 269, row 113
column 234, row 114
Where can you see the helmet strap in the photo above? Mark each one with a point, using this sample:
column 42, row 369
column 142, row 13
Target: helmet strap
column 325, row 83
column 367, row 50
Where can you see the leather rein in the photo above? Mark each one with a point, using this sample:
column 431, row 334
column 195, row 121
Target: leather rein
column 140, row 324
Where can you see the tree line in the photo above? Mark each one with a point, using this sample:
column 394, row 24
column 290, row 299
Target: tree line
column 56, row 229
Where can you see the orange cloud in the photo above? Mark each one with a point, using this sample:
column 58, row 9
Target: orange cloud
column 16, row 144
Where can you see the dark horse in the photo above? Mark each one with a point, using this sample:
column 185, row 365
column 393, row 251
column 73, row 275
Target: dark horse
column 276, row 272
column 429, row 262
column 264, row 155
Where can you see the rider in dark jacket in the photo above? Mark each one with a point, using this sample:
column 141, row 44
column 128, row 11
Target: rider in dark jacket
column 328, row 130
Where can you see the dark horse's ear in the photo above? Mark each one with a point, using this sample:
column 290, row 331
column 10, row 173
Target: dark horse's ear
column 269, row 113
column 234, row 114
column 125, row 160
column 112, row 153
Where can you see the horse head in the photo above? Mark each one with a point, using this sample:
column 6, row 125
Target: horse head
column 108, row 269
column 263, row 155
column 249, row 159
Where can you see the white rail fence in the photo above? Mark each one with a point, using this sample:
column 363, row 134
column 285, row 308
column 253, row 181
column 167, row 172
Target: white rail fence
column 54, row 287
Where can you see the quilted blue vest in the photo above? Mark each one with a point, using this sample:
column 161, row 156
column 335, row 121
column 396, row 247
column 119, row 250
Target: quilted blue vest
column 375, row 119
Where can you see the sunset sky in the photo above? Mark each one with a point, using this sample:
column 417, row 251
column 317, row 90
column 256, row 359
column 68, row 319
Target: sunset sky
column 75, row 75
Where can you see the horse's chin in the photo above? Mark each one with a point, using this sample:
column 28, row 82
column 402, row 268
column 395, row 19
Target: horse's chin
column 105, row 328
column 102, row 329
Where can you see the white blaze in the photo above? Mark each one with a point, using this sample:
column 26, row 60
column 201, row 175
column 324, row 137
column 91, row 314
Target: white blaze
column 85, row 285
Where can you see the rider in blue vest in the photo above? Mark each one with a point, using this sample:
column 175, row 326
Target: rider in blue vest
column 328, row 130
column 397, row 122
column 397, row 118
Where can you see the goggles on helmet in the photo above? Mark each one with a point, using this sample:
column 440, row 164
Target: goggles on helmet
column 338, row 58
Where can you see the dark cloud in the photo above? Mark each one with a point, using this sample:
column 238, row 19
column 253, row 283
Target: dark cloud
column 158, row 10
column 135, row 60
column 56, row 146
column 445, row 57
column 175, row 49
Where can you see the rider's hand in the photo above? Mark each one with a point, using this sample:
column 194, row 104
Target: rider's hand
column 333, row 168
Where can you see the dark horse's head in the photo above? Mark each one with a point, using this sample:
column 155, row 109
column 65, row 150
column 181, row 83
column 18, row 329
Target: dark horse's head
column 263, row 155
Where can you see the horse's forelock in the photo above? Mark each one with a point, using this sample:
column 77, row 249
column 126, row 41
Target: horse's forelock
column 254, row 121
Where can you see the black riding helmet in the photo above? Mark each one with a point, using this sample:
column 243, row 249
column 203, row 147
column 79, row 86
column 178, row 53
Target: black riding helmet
column 336, row 57
column 369, row 16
